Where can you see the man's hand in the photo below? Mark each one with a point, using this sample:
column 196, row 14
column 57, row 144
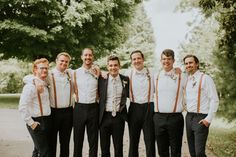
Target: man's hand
column 204, row 122
column 34, row 125
column 96, row 71
column 178, row 70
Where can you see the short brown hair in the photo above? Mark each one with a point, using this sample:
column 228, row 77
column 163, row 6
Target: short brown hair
column 136, row 51
column 194, row 57
column 168, row 53
column 113, row 58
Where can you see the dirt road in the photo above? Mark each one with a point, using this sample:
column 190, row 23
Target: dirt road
column 16, row 142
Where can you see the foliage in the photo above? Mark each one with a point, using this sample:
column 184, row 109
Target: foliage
column 33, row 28
column 11, row 73
column 224, row 12
column 140, row 37
column 222, row 141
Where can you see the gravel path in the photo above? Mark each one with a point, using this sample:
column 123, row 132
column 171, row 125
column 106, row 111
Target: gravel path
column 16, row 142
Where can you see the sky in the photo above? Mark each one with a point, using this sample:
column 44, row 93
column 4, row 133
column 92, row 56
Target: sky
column 169, row 26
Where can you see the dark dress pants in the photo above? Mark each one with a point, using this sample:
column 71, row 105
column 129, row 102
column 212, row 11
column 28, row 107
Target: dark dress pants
column 112, row 126
column 196, row 134
column 85, row 115
column 140, row 117
column 62, row 121
column 41, row 136
column 168, row 133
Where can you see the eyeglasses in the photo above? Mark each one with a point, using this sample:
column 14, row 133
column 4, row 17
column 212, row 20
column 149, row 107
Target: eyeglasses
column 43, row 68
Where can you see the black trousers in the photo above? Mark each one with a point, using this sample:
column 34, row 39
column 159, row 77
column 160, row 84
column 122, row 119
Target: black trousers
column 41, row 136
column 85, row 115
column 62, row 121
column 196, row 134
column 168, row 133
column 140, row 117
column 112, row 126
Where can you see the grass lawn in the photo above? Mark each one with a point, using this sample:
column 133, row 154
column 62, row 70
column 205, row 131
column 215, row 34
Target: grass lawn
column 222, row 141
column 9, row 100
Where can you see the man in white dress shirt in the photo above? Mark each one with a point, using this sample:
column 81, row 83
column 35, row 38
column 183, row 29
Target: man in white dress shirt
column 61, row 104
column 86, row 107
column 168, row 118
column 34, row 107
column 141, row 109
column 202, row 103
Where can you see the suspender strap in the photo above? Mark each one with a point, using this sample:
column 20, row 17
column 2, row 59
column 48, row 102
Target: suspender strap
column 131, row 86
column 70, row 87
column 149, row 88
column 199, row 94
column 177, row 93
column 157, row 93
column 39, row 100
column 55, row 90
column 76, row 87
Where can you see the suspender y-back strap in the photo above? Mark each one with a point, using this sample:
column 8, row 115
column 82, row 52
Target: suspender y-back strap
column 177, row 93
column 55, row 89
column 149, row 87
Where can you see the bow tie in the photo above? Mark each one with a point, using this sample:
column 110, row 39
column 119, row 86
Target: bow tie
column 140, row 73
column 168, row 74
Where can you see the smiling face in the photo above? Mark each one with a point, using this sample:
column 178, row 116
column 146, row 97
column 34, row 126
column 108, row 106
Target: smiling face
column 167, row 62
column 190, row 65
column 113, row 67
column 87, row 57
column 137, row 61
column 40, row 68
column 62, row 63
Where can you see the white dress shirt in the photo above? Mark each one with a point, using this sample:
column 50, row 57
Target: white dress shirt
column 62, row 83
column 114, row 92
column 140, row 85
column 167, row 91
column 87, row 85
column 209, row 99
column 29, row 104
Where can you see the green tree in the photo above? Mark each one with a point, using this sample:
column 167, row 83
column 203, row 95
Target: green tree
column 224, row 12
column 140, row 37
column 33, row 28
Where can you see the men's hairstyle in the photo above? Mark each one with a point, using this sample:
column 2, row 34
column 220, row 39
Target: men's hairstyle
column 168, row 53
column 194, row 57
column 136, row 51
column 87, row 48
column 113, row 58
column 64, row 54
column 38, row 61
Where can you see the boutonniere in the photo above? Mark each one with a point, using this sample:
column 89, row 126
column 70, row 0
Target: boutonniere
column 173, row 76
column 125, row 82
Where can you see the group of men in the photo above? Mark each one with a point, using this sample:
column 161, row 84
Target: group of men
column 53, row 102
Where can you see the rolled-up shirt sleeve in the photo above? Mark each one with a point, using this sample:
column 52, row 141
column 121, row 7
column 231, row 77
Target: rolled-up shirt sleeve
column 26, row 102
column 213, row 99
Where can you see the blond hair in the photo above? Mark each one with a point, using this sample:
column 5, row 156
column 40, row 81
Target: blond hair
column 38, row 61
column 64, row 54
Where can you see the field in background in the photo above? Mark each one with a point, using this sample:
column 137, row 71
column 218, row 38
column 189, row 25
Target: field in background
column 9, row 100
